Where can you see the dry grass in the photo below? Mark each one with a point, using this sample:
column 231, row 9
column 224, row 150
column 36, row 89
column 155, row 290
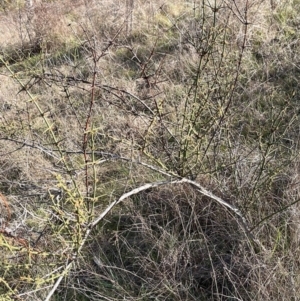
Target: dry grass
column 109, row 87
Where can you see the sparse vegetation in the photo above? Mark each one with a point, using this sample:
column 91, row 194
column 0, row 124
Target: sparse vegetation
column 149, row 150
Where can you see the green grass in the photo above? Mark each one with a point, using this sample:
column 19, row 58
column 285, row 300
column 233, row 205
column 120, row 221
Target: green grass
column 111, row 104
